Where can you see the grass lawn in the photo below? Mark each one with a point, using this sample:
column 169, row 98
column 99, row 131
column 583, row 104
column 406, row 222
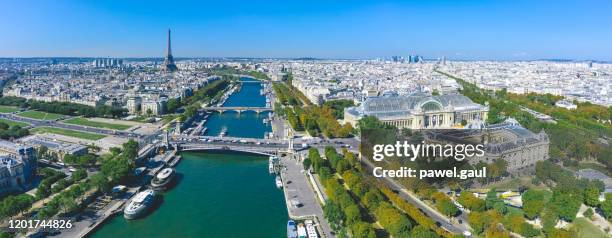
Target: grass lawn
column 86, row 122
column 14, row 123
column 8, row 109
column 40, row 115
column 585, row 229
column 66, row 132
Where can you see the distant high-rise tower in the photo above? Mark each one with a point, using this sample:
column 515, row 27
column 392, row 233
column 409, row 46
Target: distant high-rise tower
column 169, row 65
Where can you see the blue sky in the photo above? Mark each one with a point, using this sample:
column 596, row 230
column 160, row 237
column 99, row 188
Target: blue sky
column 502, row 29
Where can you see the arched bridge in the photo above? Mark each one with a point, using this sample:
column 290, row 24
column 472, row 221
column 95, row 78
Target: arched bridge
column 238, row 109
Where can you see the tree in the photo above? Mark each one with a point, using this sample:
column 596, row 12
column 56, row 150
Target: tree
column 100, row 182
column 334, row 215
column 68, row 203
column 173, row 104
column 79, row 174
column 494, row 202
column 471, row 202
column 447, row 207
column 422, row 232
column 591, row 195
column 352, row 213
column 362, row 230
column 566, row 202
column 130, row 149
column 533, row 203
column 478, row 221
column 606, row 206
column 307, row 162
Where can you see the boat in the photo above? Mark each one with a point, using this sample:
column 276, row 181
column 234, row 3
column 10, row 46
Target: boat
column 273, row 159
column 310, row 229
column 223, row 132
column 279, row 182
column 301, row 230
column 139, row 205
column 271, row 168
column 163, row 179
column 139, row 171
column 291, row 229
column 175, row 161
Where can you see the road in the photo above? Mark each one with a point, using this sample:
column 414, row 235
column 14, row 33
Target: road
column 429, row 211
column 53, row 123
column 297, row 187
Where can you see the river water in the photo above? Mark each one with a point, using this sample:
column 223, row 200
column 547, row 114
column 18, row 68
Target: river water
column 219, row 194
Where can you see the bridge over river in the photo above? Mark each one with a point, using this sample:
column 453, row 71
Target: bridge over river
column 238, row 109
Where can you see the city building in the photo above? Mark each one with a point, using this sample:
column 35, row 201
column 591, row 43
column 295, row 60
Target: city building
column 154, row 106
column 519, row 147
column 17, row 166
column 134, row 104
column 57, row 149
column 420, row 111
column 107, row 63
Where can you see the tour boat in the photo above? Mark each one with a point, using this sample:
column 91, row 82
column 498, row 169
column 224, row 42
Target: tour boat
column 139, row 205
column 163, row 179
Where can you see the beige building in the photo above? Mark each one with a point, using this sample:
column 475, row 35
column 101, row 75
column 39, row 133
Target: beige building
column 419, row 111
column 519, row 147
column 133, row 105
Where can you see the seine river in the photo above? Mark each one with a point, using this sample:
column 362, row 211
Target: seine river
column 219, row 194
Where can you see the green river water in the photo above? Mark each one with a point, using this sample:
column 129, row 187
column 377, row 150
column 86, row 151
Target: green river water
column 219, row 194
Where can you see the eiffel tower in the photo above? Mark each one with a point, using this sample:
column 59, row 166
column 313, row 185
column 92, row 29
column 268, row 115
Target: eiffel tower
column 169, row 65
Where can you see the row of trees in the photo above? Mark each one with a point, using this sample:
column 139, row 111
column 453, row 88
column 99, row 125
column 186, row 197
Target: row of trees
column 229, row 70
column 212, row 90
column 115, row 168
column 316, row 120
column 359, row 202
column 65, row 108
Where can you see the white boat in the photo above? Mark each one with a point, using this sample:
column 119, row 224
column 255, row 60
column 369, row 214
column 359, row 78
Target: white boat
column 291, row 229
column 310, row 229
column 271, row 168
column 163, row 179
column 139, row 205
column 279, row 182
column 223, row 132
column 301, row 231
